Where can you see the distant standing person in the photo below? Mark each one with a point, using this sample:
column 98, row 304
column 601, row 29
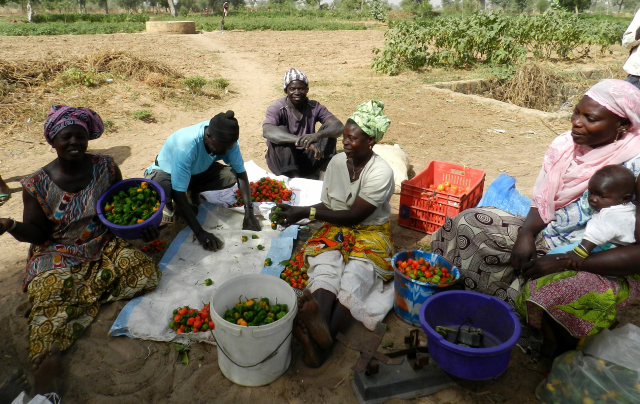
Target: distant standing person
column 225, row 8
column 631, row 40
column 294, row 148
column 206, row 12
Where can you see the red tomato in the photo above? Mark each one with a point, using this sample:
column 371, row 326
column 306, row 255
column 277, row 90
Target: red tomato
column 191, row 320
column 176, row 318
column 212, row 325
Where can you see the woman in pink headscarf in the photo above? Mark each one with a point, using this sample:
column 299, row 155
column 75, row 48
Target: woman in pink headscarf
column 506, row 255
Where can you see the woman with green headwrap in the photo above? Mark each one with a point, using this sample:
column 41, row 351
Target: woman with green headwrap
column 348, row 259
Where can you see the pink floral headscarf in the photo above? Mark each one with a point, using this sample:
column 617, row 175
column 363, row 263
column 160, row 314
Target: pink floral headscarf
column 567, row 167
column 61, row 116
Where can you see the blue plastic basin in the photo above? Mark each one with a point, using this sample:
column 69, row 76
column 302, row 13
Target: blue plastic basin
column 409, row 294
column 497, row 320
column 130, row 232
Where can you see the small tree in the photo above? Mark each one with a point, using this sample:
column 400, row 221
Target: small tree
column 573, row 5
column 542, row 6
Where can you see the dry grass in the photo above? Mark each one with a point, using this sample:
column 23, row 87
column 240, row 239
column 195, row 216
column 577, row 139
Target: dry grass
column 28, row 88
column 117, row 62
column 532, row 86
column 126, row 64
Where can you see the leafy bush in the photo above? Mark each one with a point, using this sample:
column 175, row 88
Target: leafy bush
column 77, row 77
column 219, row 83
column 194, row 83
column 144, row 115
column 184, row 11
column 377, row 10
column 494, row 39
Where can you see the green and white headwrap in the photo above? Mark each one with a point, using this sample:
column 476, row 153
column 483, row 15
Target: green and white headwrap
column 370, row 119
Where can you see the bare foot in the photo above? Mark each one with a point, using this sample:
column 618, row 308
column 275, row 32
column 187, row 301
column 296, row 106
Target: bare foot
column 309, row 313
column 46, row 369
column 15, row 384
column 312, row 356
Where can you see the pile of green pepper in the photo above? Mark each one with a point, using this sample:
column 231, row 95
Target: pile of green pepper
column 134, row 206
column 255, row 312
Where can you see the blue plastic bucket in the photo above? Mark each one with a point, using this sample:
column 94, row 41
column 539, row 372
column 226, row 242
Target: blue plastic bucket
column 409, row 294
column 130, row 232
column 499, row 324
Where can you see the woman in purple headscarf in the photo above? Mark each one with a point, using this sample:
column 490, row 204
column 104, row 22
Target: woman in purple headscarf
column 75, row 264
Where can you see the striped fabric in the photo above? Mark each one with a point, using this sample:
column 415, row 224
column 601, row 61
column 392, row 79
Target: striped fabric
column 293, row 75
column 77, row 236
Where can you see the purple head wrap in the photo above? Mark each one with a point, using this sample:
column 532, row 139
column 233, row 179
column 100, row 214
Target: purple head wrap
column 61, row 116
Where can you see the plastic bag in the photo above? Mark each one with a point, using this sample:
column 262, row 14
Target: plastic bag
column 581, row 378
column 502, row 194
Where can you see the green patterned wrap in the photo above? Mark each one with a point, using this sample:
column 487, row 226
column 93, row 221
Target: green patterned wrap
column 370, row 119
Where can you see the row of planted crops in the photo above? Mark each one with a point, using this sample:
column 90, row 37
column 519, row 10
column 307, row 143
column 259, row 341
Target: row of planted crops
column 495, row 39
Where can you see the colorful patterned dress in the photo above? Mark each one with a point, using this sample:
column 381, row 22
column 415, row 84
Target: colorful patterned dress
column 354, row 262
column 81, row 265
column 479, row 242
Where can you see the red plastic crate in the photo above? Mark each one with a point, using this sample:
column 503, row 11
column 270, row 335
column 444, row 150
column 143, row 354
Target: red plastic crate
column 426, row 210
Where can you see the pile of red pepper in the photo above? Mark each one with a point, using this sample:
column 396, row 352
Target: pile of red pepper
column 422, row 271
column 266, row 190
column 156, row 246
column 191, row 320
column 294, row 273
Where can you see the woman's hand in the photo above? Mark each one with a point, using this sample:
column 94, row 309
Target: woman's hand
column 543, row 266
column 523, row 255
column 150, row 233
column 290, row 214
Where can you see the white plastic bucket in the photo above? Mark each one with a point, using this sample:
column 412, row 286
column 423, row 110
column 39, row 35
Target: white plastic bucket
column 253, row 356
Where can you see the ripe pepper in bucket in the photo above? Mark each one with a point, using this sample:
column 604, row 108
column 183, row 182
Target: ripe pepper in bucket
column 255, row 312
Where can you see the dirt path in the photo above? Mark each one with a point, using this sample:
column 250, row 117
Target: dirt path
column 248, row 75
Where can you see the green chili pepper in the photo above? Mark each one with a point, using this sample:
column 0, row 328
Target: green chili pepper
column 280, row 315
column 275, row 309
column 249, row 316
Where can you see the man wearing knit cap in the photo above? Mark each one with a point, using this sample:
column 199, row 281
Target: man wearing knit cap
column 294, row 148
column 188, row 161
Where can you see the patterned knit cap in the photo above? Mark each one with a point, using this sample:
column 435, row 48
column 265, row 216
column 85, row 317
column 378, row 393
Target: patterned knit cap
column 293, row 75
column 61, row 116
column 370, row 119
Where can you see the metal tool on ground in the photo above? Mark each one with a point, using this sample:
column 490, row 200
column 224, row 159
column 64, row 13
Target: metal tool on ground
column 370, row 358
column 413, row 377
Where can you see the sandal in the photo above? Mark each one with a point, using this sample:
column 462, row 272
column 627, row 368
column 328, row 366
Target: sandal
column 4, row 198
column 168, row 215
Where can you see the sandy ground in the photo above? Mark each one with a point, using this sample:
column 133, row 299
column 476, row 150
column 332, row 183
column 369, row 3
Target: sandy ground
column 429, row 124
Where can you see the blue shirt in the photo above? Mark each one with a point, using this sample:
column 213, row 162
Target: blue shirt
column 183, row 154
